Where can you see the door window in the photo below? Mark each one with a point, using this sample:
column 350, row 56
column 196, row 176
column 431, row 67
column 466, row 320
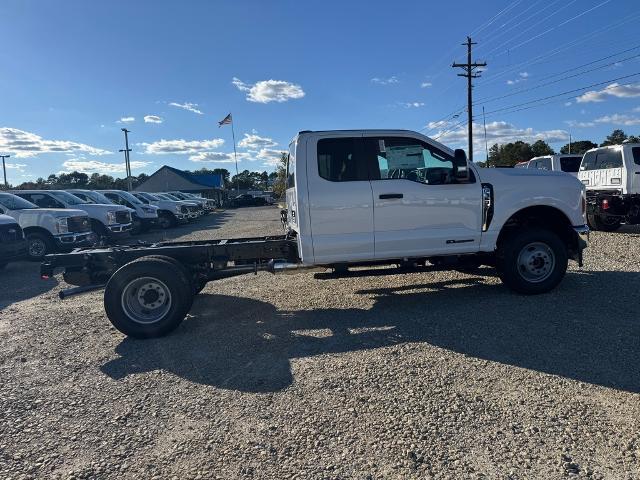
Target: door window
column 42, row 200
column 545, row 164
column 409, row 159
column 636, row 155
column 339, row 160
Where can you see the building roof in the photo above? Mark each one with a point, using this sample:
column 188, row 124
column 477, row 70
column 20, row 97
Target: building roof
column 211, row 180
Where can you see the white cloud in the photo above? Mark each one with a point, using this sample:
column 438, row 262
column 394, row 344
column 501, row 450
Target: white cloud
column 266, row 91
column 127, row 120
column 413, row 104
column 385, row 81
column 637, row 109
column 619, row 119
column 269, row 157
column 191, row 107
column 20, row 167
column 576, row 124
column 93, row 166
column 500, row 132
column 26, row 144
column 522, row 77
column 613, row 90
column 426, row 84
column 219, row 157
column 568, row 104
column 254, row 142
column 181, row 146
column 153, row 119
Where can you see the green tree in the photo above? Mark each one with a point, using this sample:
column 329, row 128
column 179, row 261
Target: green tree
column 617, row 137
column 579, row 147
column 280, row 181
column 509, row 154
column 541, row 148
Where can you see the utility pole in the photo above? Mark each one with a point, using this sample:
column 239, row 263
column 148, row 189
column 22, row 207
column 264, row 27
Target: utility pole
column 127, row 164
column 4, row 170
column 469, row 68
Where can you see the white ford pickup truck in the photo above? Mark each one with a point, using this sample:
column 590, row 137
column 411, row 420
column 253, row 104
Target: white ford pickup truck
column 357, row 199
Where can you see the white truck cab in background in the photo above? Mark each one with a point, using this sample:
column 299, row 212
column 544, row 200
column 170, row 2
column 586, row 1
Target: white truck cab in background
column 363, row 196
column 111, row 222
column 48, row 230
column 567, row 163
column 611, row 176
column 144, row 216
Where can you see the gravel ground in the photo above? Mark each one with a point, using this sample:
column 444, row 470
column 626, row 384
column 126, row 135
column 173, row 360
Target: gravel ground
column 422, row 375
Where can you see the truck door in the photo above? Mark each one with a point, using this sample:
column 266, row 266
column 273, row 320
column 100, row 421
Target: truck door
column 635, row 180
column 340, row 199
column 419, row 207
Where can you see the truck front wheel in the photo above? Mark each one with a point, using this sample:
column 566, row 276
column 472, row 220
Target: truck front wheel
column 147, row 298
column 604, row 223
column 532, row 261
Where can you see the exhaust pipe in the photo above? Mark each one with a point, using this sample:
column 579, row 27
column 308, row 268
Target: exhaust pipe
column 291, row 268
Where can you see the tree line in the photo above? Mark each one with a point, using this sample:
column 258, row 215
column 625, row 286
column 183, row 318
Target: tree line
column 96, row 181
column 508, row 154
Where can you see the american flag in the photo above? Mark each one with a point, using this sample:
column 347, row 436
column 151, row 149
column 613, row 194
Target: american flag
column 225, row 121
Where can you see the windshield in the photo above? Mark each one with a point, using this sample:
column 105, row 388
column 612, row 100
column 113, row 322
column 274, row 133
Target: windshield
column 149, row 196
column 570, row 164
column 172, row 196
column 177, row 195
column 13, row 202
column 68, row 198
column 97, row 197
column 130, row 198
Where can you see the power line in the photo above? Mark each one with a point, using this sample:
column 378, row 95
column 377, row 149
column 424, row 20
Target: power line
column 492, row 99
column 566, row 93
column 495, row 17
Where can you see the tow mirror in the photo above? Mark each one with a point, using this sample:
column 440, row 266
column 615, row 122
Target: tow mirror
column 460, row 165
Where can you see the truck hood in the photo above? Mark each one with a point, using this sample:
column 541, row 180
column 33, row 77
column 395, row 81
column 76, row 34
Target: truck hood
column 43, row 217
column 488, row 174
column 7, row 220
column 100, row 208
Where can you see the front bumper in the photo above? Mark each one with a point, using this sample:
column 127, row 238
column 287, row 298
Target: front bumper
column 73, row 240
column 120, row 230
column 582, row 242
column 13, row 251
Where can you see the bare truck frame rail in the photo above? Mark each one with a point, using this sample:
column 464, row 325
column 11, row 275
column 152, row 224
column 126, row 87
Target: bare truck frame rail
column 200, row 261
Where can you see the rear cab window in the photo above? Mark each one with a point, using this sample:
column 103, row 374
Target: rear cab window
column 602, row 159
column 636, row 155
column 291, row 166
column 340, row 160
column 570, row 164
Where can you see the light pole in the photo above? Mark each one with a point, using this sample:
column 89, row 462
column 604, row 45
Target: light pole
column 126, row 151
column 4, row 170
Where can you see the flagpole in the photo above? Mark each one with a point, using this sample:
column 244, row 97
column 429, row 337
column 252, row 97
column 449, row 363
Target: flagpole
column 235, row 156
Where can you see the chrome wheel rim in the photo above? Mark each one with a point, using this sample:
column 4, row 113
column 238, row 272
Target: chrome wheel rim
column 37, row 248
column 536, row 262
column 146, row 300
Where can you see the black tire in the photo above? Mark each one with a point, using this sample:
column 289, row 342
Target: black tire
column 38, row 245
column 604, row 224
column 193, row 286
column 100, row 230
column 143, row 282
column 166, row 220
column 136, row 226
column 532, row 261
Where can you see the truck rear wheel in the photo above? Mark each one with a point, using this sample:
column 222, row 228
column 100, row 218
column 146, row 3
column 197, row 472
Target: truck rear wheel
column 532, row 261
column 603, row 223
column 148, row 298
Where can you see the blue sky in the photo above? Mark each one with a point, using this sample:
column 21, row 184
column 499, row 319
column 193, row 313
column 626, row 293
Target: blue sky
column 75, row 72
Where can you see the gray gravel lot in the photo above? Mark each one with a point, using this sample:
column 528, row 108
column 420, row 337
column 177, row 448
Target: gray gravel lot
column 423, row 375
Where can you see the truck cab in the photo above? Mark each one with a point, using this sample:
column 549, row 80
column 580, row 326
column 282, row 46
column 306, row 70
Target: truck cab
column 367, row 195
column 611, row 176
column 557, row 163
column 110, row 222
column 144, row 216
column 48, row 230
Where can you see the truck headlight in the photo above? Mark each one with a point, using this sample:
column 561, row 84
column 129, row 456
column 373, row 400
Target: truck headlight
column 61, row 225
column 147, row 210
column 111, row 218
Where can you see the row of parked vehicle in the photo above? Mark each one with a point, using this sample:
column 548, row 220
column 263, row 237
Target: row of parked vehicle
column 611, row 176
column 34, row 223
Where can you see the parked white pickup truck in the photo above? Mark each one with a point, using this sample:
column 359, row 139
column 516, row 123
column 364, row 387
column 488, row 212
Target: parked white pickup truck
column 170, row 212
column 558, row 163
column 111, row 222
column 48, row 230
column 356, row 199
column 612, row 178
column 144, row 216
